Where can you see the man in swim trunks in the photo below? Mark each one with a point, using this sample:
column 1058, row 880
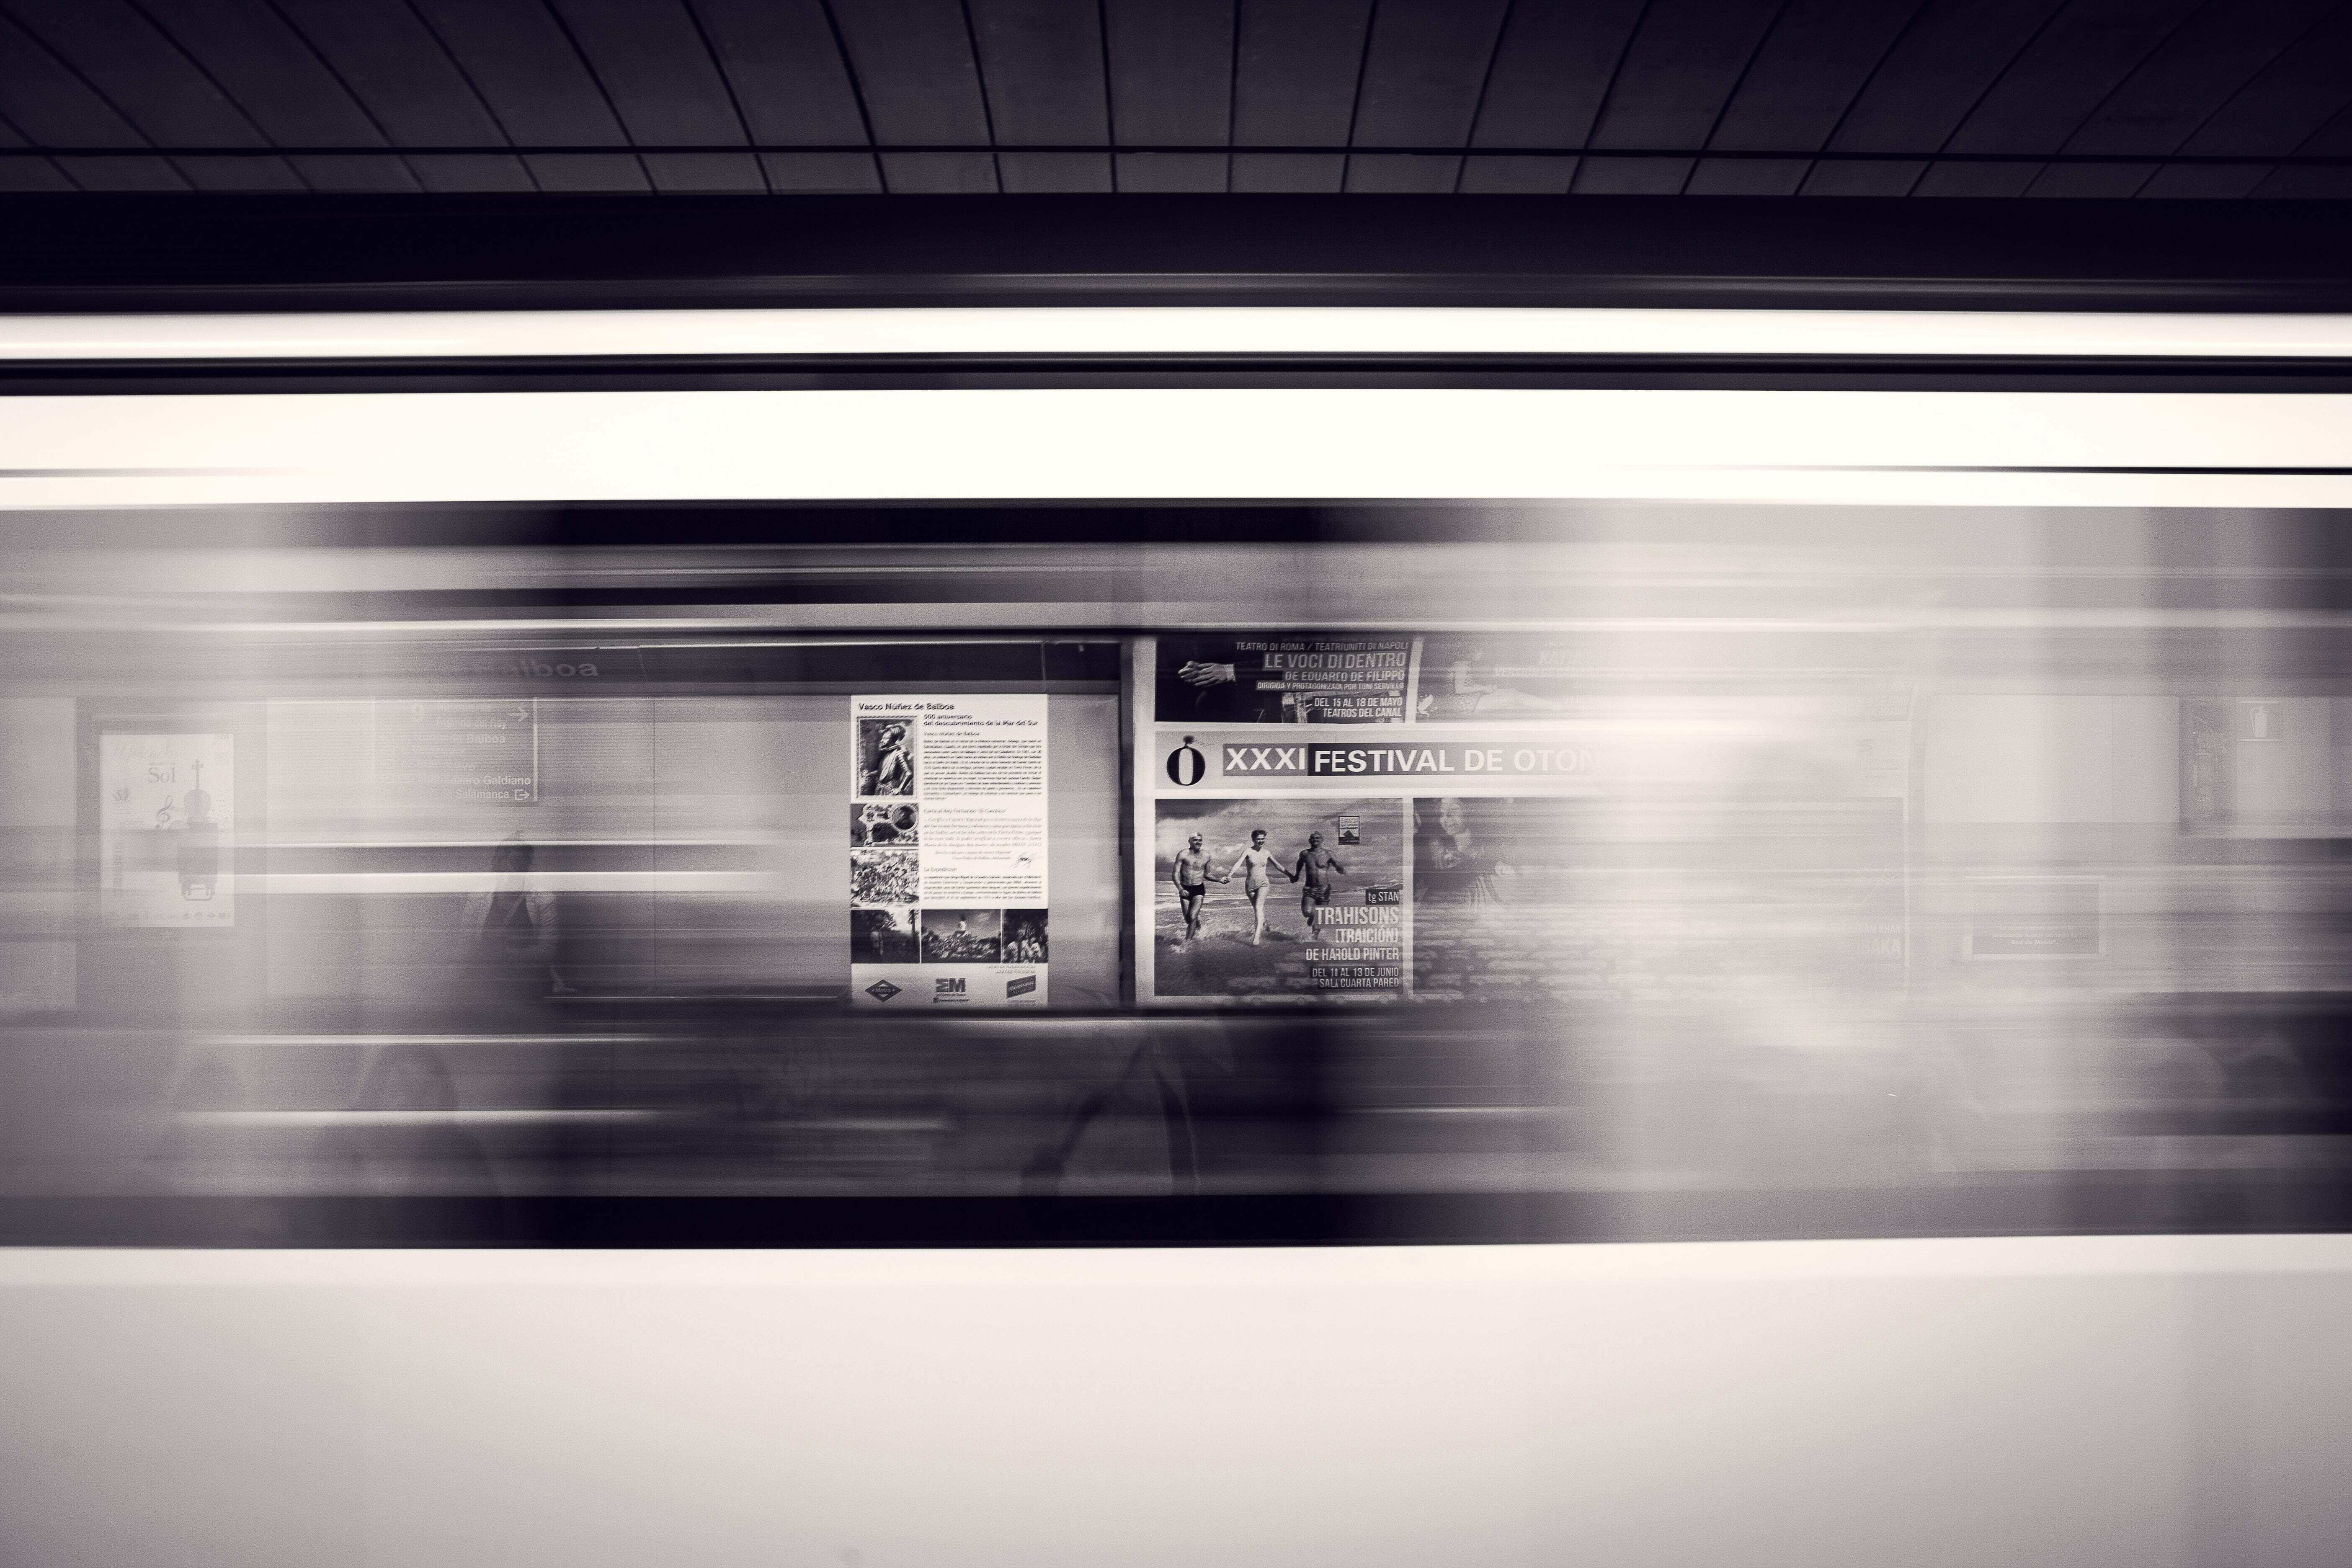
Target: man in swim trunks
column 1257, row 866
column 1318, row 866
column 1192, row 876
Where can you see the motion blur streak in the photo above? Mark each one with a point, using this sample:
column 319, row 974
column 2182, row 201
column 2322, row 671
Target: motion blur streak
column 1939, row 871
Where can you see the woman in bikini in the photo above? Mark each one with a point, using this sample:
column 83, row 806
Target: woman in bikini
column 1256, row 866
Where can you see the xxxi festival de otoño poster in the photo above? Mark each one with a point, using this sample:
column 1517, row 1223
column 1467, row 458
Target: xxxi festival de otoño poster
column 1361, row 817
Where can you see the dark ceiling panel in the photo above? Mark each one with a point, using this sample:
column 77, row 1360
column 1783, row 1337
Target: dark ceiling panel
column 1298, row 71
column 147, row 82
column 2107, row 98
column 1171, row 84
column 1042, row 63
column 1423, row 74
column 2330, row 183
column 46, row 104
column 2333, row 139
column 1553, row 69
column 914, row 61
column 1679, row 74
column 2181, row 85
column 400, row 72
column 792, row 85
column 1748, row 176
column 2288, row 101
column 26, row 173
column 1806, row 75
column 2055, row 85
column 649, row 58
column 1937, row 71
column 521, row 60
column 280, row 81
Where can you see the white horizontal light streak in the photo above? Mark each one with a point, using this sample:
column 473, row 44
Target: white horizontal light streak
column 2152, row 1257
column 1176, row 443
column 386, row 883
column 1168, row 330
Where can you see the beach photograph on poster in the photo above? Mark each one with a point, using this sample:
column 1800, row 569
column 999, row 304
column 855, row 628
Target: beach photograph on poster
column 887, row 756
column 877, row 823
column 963, row 936
column 1344, row 858
column 883, row 936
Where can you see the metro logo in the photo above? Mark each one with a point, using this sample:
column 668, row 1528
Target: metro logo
column 1289, row 760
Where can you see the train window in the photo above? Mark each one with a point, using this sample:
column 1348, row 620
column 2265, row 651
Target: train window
column 1392, row 810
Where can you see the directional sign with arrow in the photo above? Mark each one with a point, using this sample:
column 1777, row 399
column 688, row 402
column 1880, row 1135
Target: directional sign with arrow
column 441, row 750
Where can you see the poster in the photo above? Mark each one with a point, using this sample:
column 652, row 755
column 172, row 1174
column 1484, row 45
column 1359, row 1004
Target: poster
column 947, row 852
column 1282, row 679
column 1270, row 896
column 1654, row 896
column 2208, row 774
column 1491, row 819
column 2256, row 765
column 2036, row 917
column 1465, row 677
column 167, row 830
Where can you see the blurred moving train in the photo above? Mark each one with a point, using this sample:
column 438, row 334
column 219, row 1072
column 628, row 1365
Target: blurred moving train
column 2001, row 944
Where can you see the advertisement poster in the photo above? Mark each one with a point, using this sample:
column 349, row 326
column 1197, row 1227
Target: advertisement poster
column 1514, row 826
column 947, row 852
column 1274, row 896
column 167, row 833
column 2036, row 917
column 1293, row 680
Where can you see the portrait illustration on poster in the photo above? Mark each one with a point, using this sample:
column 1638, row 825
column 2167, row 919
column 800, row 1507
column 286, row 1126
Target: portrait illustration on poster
column 885, row 756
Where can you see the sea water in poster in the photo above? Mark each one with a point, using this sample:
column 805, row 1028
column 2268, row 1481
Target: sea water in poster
column 1493, row 819
column 947, row 852
column 167, row 816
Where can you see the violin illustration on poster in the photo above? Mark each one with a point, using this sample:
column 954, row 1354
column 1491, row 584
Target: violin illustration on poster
column 167, row 810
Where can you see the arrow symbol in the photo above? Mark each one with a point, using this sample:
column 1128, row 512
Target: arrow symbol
column 517, row 714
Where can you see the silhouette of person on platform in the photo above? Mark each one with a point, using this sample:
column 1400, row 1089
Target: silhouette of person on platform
column 508, row 936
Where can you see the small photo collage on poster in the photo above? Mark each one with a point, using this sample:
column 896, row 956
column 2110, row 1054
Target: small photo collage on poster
column 886, row 825
column 928, row 934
